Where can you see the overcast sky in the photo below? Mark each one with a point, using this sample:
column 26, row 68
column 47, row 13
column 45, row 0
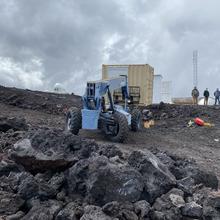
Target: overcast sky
column 43, row 42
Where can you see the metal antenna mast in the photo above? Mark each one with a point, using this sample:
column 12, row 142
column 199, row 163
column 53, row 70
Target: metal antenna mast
column 195, row 68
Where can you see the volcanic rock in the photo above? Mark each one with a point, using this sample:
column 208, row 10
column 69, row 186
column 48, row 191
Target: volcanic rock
column 94, row 213
column 28, row 188
column 188, row 169
column 45, row 150
column 111, row 208
column 37, row 187
column 43, row 210
column 9, row 138
column 72, row 211
column 192, row 209
column 142, row 208
column 211, row 206
column 157, row 178
column 17, row 124
column 168, row 205
column 125, row 214
column 15, row 216
column 7, row 166
column 57, row 181
column 156, row 215
column 187, row 185
column 9, row 203
column 110, row 151
column 200, row 195
column 165, row 159
column 5, row 184
column 104, row 181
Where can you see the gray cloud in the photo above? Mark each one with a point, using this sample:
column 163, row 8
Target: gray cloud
column 44, row 42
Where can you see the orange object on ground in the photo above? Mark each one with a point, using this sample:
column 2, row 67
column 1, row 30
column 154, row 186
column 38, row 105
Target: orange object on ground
column 148, row 124
column 199, row 121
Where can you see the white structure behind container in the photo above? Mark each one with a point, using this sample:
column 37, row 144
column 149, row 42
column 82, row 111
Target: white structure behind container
column 166, row 91
column 157, row 89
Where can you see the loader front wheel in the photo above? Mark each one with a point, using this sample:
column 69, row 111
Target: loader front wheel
column 135, row 120
column 120, row 130
column 74, row 120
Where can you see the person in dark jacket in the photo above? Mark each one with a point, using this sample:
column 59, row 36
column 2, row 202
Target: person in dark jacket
column 206, row 96
column 217, row 95
column 195, row 95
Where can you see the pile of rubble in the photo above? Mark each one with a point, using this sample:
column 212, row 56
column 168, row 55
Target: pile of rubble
column 11, row 130
column 51, row 174
column 164, row 111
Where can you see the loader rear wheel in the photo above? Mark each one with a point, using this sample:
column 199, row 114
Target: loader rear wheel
column 135, row 120
column 120, row 131
column 74, row 120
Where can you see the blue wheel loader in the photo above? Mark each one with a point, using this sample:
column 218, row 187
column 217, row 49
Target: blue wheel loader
column 100, row 111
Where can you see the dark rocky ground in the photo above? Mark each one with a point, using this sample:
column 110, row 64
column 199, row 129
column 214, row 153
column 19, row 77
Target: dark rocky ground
column 167, row 172
column 47, row 102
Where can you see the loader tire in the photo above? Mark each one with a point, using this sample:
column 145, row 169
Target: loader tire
column 122, row 128
column 74, row 120
column 135, row 120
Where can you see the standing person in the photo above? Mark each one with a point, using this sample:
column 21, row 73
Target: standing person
column 217, row 95
column 206, row 96
column 195, row 95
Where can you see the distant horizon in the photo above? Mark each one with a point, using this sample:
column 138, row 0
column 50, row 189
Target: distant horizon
column 52, row 91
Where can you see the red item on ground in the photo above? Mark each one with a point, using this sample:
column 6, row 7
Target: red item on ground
column 199, row 121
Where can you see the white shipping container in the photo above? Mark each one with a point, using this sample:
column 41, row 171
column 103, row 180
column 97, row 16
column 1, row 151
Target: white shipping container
column 166, row 91
column 157, row 89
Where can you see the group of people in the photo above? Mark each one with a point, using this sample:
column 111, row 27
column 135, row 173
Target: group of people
column 195, row 96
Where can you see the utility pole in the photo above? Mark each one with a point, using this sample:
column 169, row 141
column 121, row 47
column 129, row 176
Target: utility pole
column 195, row 68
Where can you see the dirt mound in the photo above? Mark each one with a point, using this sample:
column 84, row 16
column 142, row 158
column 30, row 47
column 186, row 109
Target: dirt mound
column 52, row 103
column 93, row 183
column 164, row 111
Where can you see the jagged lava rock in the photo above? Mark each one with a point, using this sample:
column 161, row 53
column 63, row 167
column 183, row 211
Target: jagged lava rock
column 9, row 203
column 17, row 124
column 157, row 178
column 43, row 210
column 192, row 210
column 94, row 213
column 45, row 150
column 105, row 181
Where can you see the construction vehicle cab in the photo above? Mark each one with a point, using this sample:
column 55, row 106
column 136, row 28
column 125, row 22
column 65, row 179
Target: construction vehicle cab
column 100, row 111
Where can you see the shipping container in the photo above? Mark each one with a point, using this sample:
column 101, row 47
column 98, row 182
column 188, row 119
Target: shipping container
column 140, row 79
column 166, row 91
column 157, row 89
